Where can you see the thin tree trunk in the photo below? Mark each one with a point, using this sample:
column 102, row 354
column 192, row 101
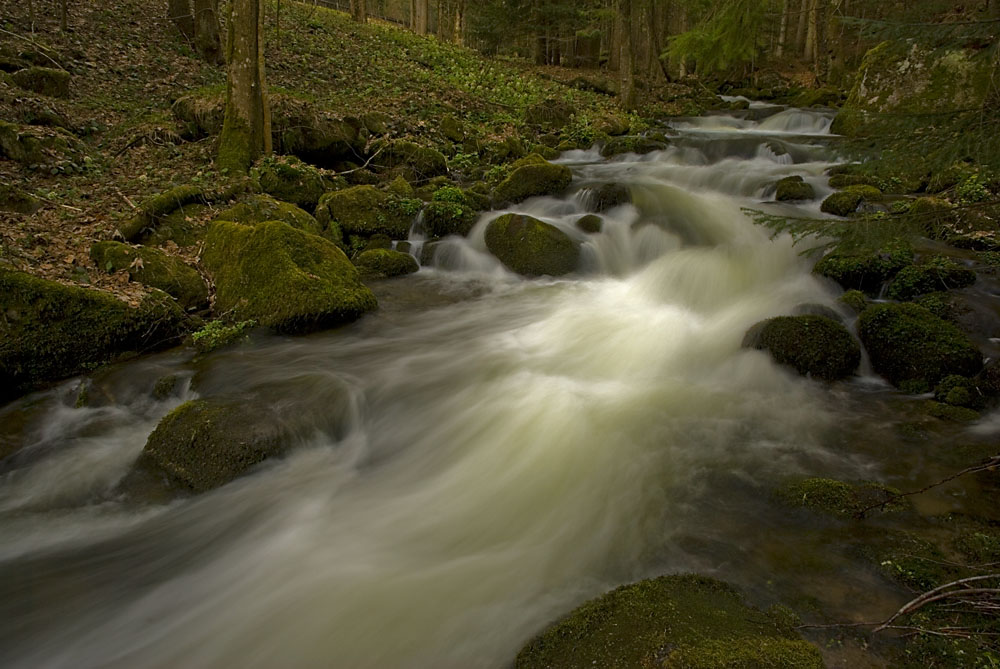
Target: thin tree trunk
column 626, row 61
column 783, row 30
column 809, row 52
column 246, row 131
column 64, row 15
column 359, row 11
column 206, row 26
column 421, row 10
column 800, row 34
column 179, row 12
column 459, row 22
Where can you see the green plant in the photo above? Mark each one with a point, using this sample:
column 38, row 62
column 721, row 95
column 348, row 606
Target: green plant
column 217, row 334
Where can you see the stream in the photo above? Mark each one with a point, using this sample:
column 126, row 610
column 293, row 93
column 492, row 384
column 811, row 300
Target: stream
column 478, row 456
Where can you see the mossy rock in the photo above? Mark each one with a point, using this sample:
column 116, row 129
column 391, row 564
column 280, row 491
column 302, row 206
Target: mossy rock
column 865, row 269
column 631, row 144
column 155, row 209
column 385, row 263
column 845, row 202
column 206, row 443
column 960, row 391
column 262, row 208
column 49, row 331
column 531, row 247
column 933, row 215
column 400, row 187
column 184, row 227
column 43, row 80
column 909, row 344
column 452, row 128
column 681, row 621
column 448, row 218
column 289, row 179
column 550, row 114
column 907, row 559
column 838, row 498
column 826, row 96
column 936, row 274
column 612, row 125
column 792, row 189
column 38, row 147
column 607, row 196
column 533, row 176
column 854, row 300
column 845, row 180
column 282, row 278
column 814, row 346
column 377, row 242
column 590, row 223
column 425, row 162
column 154, row 268
column 377, row 123
column 201, row 112
column 15, row 200
column 366, row 211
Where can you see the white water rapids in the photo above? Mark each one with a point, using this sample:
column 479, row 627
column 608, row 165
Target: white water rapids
column 477, row 457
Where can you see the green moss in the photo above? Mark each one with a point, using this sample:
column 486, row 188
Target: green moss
column 154, row 209
column 855, row 300
column 845, row 180
column 865, row 268
column 837, row 498
column 452, row 128
column 283, row 278
column 44, row 81
column 959, row 391
column 908, row 560
column 365, row 210
column 237, row 150
column 165, row 386
column 531, row 247
column 38, row 147
column 951, row 413
column 448, row 218
column 153, row 268
column 908, row 343
column 845, row 202
column 49, row 331
column 15, row 200
column 385, row 263
column 261, row 208
column 529, row 179
column 935, row 274
column 793, row 188
column 608, row 196
column 400, row 187
column 631, row 144
column 590, row 223
column 671, row 621
column 814, row 346
column 289, row 179
column 216, row 335
column 425, row 162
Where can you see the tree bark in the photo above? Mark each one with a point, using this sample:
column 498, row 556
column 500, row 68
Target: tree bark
column 626, row 61
column 419, row 10
column 809, row 53
column 206, row 26
column 246, row 131
column 359, row 11
column 459, row 35
column 64, row 15
column 783, row 30
column 800, row 34
column 179, row 12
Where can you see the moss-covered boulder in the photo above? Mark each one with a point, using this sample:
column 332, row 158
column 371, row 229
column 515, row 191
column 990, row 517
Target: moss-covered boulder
column 282, row 277
column 960, row 391
column 425, row 162
column 261, row 208
column 15, row 200
column 847, row 201
column 607, row 196
column 932, row 215
column 864, row 268
column 838, row 498
column 854, row 300
column 42, row 147
column 531, row 247
column 791, row 189
column 550, row 114
column 49, row 331
column 385, row 263
column 156, row 208
column 450, row 212
column 814, row 346
column 153, row 268
column 675, row 622
column 631, row 144
column 533, row 176
column 43, row 80
column 400, row 187
column 590, row 223
column 366, row 211
column 938, row 273
column 289, row 179
column 206, row 443
column 911, row 346
column 452, row 128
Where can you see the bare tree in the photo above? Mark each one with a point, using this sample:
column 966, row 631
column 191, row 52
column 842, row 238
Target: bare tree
column 246, row 131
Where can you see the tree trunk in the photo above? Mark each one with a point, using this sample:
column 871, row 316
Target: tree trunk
column 359, row 11
column 179, row 12
column 783, row 30
column 419, row 9
column 626, row 61
column 64, row 15
column 809, row 53
column 459, row 36
column 800, row 34
column 206, row 26
column 246, row 131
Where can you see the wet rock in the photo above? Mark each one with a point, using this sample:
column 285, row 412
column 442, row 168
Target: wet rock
column 261, row 208
column 631, row 144
column 792, row 189
column 49, row 331
column 913, row 348
column 282, row 278
column 448, row 218
column 935, row 274
column 385, row 263
column 837, row 498
column 531, row 247
column 608, row 196
column 366, row 211
column 43, row 80
column 289, row 179
column 812, row 345
column 959, row 391
column 864, row 268
column 591, row 223
column 154, row 268
column 671, row 622
column 847, row 201
column 533, row 176
column 854, row 300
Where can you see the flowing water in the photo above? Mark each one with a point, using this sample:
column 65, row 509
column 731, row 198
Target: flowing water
column 474, row 459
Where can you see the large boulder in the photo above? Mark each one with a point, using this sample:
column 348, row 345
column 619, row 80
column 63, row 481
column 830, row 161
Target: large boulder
column 551, row 114
column 49, row 331
column 864, row 268
column 814, row 346
column 262, row 208
column 425, row 162
column 531, row 247
column 15, row 200
column 450, row 212
column 913, row 348
column 38, row 147
column 385, row 263
column 282, row 277
column 935, row 274
column 847, row 201
column 533, row 176
column 289, row 179
column 154, row 268
column 673, row 622
column 366, row 211
column 43, row 80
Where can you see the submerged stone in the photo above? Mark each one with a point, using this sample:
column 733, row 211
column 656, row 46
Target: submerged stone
column 847, row 201
column 838, row 498
column 793, row 188
column 814, row 346
column 385, row 263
